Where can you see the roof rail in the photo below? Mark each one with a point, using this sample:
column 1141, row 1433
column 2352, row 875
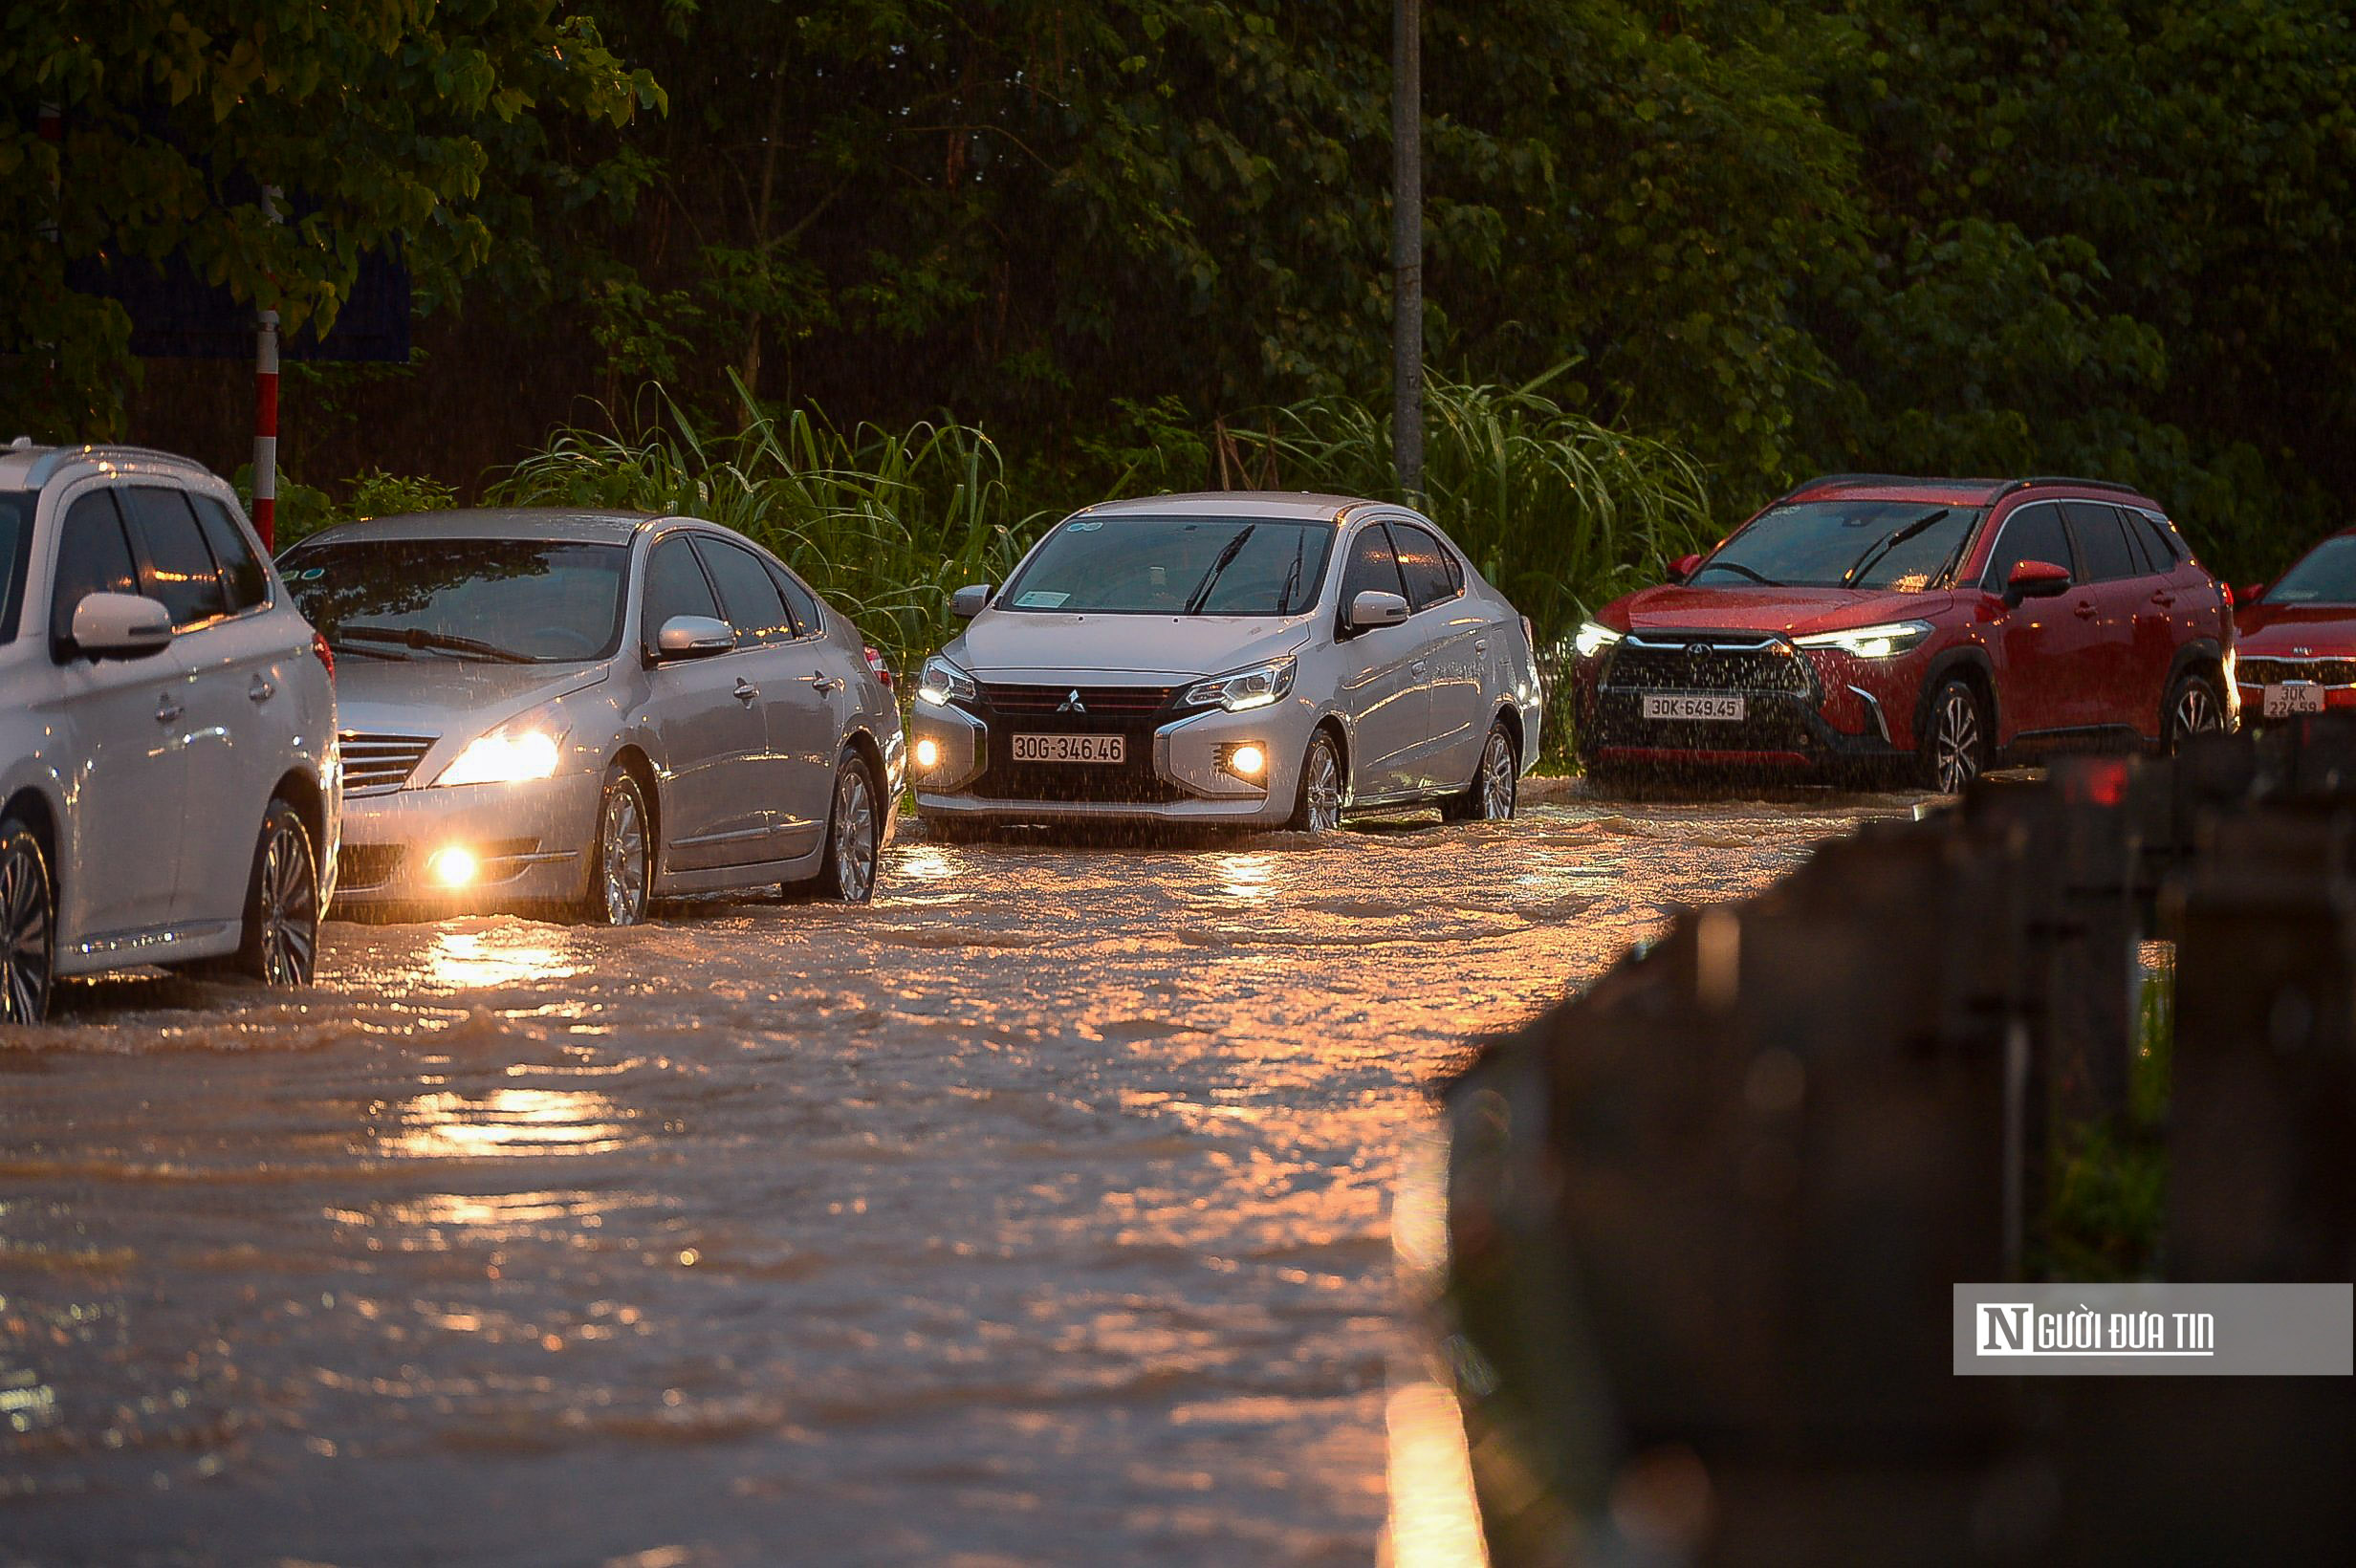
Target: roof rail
column 57, row 457
column 1936, row 482
column 2111, row 484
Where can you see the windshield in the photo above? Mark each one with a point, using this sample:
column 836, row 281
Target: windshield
column 16, row 549
column 1174, row 566
column 1903, row 546
column 2326, row 574
column 508, row 600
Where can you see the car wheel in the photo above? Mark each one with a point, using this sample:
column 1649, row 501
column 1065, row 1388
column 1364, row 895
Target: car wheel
column 281, row 944
column 1954, row 743
column 853, row 835
column 1489, row 796
column 622, row 859
column 2193, row 709
column 28, row 925
column 1317, row 808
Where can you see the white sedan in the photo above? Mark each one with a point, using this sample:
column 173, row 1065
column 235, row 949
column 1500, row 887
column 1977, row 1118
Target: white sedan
column 1254, row 659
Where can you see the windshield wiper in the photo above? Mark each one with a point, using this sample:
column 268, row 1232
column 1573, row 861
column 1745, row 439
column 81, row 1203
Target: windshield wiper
column 1738, row 566
column 1226, row 556
column 364, row 651
column 1292, row 579
column 417, row 636
column 1875, row 551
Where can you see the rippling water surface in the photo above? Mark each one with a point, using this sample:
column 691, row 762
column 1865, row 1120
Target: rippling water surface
column 1038, row 1212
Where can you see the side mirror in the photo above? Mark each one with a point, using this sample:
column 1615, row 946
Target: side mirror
column 2035, row 580
column 695, row 636
column 970, row 601
column 1683, row 567
column 1376, row 608
column 120, row 626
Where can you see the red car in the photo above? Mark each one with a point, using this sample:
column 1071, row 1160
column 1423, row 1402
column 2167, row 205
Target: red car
column 2297, row 652
column 1930, row 627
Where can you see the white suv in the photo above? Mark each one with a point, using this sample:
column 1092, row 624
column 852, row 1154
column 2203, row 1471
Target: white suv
column 170, row 784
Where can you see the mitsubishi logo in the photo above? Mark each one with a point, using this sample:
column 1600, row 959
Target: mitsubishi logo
column 1073, row 704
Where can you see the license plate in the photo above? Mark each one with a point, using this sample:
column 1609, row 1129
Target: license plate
column 1718, row 710
column 1071, row 748
column 2302, row 697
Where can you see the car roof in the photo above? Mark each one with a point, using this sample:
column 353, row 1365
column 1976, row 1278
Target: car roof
column 31, row 468
column 570, row 525
column 1306, row 506
column 1958, row 492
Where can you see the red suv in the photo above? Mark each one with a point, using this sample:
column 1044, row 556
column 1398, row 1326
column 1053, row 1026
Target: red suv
column 1864, row 621
column 2298, row 652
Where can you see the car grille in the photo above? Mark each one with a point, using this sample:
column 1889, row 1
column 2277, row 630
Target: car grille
column 373, row 764
column 360, row 866
column 2336, row 672
column 1709, row 662
column 1099, row 702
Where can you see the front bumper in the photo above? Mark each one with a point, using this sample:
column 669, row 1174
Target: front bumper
column 1811, row 710
column 1174, row 771
column 530, row 842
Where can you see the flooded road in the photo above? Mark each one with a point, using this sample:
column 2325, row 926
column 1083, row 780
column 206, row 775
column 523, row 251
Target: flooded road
column 1038, row 1212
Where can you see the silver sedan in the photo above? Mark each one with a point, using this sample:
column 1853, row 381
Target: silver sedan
column 593, row 711
column 1254, row 659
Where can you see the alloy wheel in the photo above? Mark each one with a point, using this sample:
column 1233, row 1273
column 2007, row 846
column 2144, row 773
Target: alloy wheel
column 1496, row 778
column 622, row 857
column 290, row 912
column 2197, row 711
column 1321, row 788
column 853, row 835
column 26, row 929
column 1955, row 740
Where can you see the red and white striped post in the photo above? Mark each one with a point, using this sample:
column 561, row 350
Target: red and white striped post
column 266, row 408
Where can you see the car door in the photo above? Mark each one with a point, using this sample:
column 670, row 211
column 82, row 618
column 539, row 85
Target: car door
column 1390, row 710
column 129, row 785
column 797, row 768
column 1451, row 652
column 2126, row 695
column 706, row 715
column 2168, row 600
column 2051, row 645
column 833, row 681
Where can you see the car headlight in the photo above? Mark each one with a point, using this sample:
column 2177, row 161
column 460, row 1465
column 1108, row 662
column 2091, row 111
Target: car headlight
column 943, row 682
column 515, row 752
column 1593, row 639
column 1243, row 690
column 1882, row 641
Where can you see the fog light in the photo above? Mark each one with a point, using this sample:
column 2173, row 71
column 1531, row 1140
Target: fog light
column 1248, row 760
column 453, row 867
column 927, row 754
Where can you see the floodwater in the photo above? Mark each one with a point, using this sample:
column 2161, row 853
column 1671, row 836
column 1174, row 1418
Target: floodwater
column 1038, row 1212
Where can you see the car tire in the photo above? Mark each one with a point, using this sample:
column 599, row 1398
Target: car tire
column 1955, row 738
column 1317, row 806
column 854, row 834
column 2193, row 709
column 1495, row 784
column 280, row 944
column 28, row 925
column 621, row 854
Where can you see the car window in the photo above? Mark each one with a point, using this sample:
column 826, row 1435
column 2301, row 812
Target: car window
column 675, row 586
column 1426, row 565
column 2033, row 533
column 241, row 569
column 1183, row 565
column 2102, row 541
column 452, row 597
column 754, row 606
column 16, row 554
column 94, row 556
column 181, row 571
column 2166, row 549
column 808, row 618
column 2326, row 574
column 1373, row 567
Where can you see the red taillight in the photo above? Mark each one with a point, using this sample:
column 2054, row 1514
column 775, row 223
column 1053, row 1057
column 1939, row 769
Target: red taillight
column 882, row 670
column 2225, row 591
column 325, row 655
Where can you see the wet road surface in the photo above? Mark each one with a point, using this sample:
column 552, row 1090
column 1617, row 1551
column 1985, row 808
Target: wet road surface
column 1038, row 1212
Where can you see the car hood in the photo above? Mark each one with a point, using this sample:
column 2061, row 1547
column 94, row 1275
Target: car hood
column 1791, row 612
column 1018, row 645
column 2271, row 631
column 435, row 696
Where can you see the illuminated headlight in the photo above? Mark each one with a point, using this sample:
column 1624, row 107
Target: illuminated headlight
column 454, row 866
column 1246, row 760
column 1593, row 639
column 1244, row 689
column 1882, row 641
column 942, row 684
column 504, row 756
column 927, row 754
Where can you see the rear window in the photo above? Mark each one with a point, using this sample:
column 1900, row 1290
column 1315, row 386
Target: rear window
column 16, row 549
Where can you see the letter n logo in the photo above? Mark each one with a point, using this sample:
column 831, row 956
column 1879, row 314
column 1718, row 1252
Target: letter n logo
column 2004, row 1329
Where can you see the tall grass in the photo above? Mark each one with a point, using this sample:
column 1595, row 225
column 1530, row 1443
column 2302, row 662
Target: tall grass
column 885, row 523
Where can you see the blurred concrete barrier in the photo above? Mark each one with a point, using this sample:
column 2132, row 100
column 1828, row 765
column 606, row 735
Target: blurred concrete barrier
column 1704, row 1219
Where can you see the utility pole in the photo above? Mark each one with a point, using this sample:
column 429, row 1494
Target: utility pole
column 1406, row 247
column 266, row 407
